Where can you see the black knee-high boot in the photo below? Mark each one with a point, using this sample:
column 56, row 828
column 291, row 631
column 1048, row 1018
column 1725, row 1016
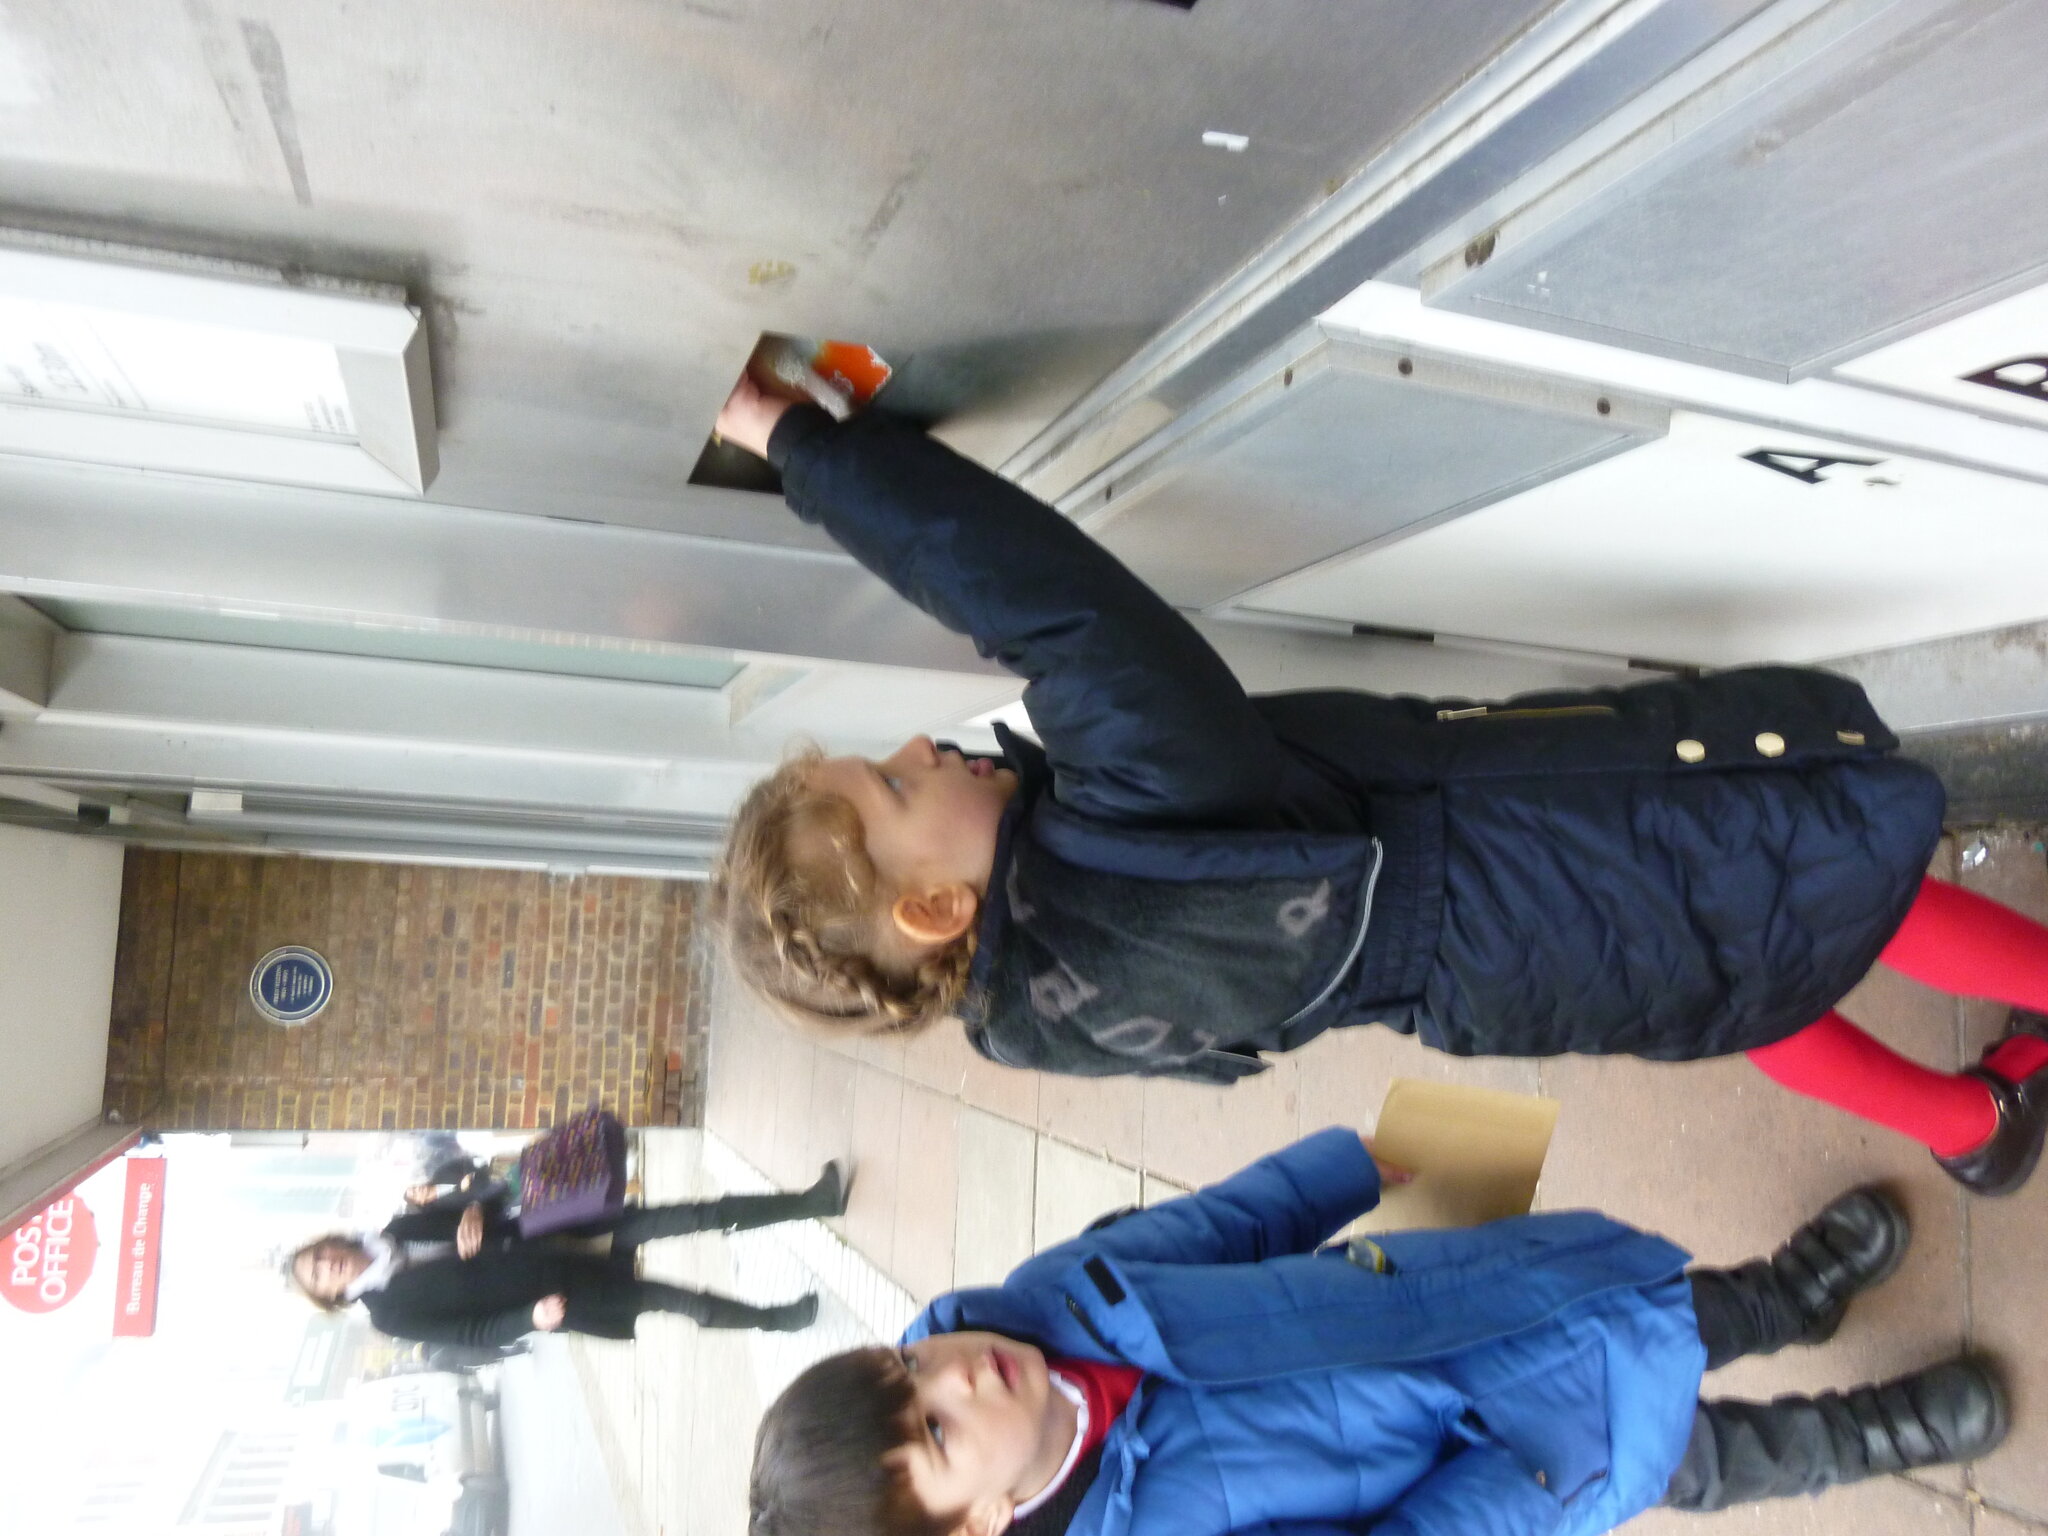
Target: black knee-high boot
column 1800, row 1293
column 731, row 1213
column 710, row 1310
column 1741, row 1452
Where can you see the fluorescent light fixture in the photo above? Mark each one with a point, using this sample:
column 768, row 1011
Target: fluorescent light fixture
column 120, row 356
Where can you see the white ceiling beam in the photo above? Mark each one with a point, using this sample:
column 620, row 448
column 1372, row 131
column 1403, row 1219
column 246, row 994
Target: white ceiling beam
column 780, row 591
column 29, row 791
column 180, row 714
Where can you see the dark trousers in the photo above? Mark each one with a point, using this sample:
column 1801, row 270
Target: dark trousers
column 638, row 1224
column 1740, row 1452
column 609, row 1307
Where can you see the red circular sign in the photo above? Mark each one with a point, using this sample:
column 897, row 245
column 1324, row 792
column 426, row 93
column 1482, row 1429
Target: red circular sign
column 49, row 1256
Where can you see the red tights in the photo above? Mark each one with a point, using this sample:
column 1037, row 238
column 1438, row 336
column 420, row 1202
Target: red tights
column 1960, row 942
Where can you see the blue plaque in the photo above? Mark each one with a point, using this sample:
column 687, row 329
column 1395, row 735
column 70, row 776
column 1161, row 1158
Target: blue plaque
column 291, row 984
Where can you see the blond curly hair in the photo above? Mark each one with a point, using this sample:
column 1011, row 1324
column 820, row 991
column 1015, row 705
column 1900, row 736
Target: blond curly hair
column 804, row 914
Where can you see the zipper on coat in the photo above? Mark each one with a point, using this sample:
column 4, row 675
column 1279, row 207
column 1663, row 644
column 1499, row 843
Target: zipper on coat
column 1488, row 712
column 1372, row 880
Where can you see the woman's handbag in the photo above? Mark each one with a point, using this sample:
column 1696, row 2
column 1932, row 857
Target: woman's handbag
column 573, row 1175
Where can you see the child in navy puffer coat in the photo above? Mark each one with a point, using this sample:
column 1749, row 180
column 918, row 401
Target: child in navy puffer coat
column 1184, row 876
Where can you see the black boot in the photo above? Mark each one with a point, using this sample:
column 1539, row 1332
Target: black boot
column 1800, row 1294
column 710, row 1310
column 1741, row 1452
column 825, row 1197
column 1857, row 1241
column 732, row 1213
column 2003, row 1163
column 828, row 1196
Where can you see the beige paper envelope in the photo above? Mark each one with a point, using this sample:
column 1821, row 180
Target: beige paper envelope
column 1476, row 1154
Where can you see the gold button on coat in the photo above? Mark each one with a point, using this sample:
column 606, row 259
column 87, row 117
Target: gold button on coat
column 1690, row 751
column 1770, row 743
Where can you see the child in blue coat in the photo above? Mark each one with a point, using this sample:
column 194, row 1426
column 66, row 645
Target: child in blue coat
column 1208, row 1366
column 1183, row 876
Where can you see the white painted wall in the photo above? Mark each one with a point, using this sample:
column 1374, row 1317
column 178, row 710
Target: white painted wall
column 60, row 905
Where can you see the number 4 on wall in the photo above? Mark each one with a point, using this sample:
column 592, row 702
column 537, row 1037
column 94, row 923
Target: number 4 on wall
column 1809, row 468
column 2022, row 376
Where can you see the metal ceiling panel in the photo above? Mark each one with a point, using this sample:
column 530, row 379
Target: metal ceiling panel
column 1333, row 444
column 602, row 206
column 1868, row 172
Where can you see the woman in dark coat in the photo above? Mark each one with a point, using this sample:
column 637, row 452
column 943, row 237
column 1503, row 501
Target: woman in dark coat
column 1183, row 876
column 442, row 1275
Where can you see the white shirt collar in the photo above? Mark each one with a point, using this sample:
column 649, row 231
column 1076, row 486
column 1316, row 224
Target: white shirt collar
column 386, row 1259
column 1074, row 1395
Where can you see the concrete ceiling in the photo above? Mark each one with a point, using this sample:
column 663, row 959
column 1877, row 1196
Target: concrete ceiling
column 601, row 204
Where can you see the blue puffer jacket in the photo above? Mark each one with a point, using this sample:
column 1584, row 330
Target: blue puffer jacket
column 1533, row 1377
column 1189, row 875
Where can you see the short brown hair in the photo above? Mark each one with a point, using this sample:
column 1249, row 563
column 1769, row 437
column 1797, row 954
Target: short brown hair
column 822, row 1457
column 803, row 912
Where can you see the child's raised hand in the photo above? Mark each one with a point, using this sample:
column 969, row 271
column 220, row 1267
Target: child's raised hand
column 750, row 415
column 1390, row 1173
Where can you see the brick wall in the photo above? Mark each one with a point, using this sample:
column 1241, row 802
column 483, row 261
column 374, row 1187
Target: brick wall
column 462, row 997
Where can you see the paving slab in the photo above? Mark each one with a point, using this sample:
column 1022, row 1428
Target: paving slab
column 928, row 1161
column 1154, row 1189
column 996, row 1197
column 939, row 1058
column 1344, row 1074
column 1075, row 1188
column 1998, row 1522
column 870, row 1220
column 1885, row 1506
column 829, row 1121
column 1197, row 1134
column 791, row 1159
column 1102, row 1114
column 999, row 1090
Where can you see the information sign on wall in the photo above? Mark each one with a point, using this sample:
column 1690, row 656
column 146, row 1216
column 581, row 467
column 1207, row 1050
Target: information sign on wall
column 291, row 984
column 49, row 1257
column 135, row 1272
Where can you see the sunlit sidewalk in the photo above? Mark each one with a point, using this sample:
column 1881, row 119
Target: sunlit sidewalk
column 675, row 1411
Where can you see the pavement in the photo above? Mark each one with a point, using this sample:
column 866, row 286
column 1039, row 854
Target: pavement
column 673, row 1413
column 965, row 1168
column 559, row 1479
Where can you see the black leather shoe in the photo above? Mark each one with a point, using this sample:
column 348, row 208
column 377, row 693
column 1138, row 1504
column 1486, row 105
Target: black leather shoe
column 1858, row 1241
column 2004, row 1162
column 1955, row 1411
column 829, row 1195
column 792, row 1317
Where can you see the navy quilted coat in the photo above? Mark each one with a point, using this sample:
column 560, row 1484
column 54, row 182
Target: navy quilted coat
column 1190, row 875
